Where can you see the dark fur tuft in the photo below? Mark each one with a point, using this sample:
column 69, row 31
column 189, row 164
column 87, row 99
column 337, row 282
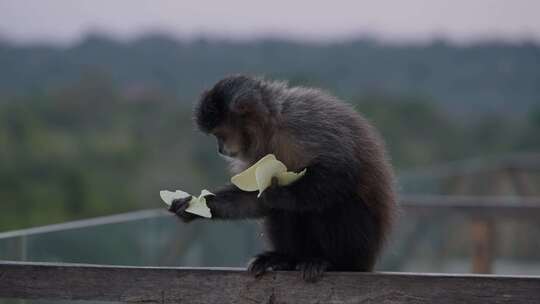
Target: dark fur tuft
column 217, row 103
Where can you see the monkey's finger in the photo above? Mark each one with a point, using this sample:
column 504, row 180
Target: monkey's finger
column 257, row 269
column 180, row 204
column 275, row 182
column 312, row 271
column 258, row 266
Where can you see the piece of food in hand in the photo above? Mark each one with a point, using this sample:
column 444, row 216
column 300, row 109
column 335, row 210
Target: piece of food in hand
column 259, row 176
column 197, row 205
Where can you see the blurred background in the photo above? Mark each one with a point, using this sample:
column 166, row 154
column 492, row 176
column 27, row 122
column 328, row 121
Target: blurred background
column 95, row 119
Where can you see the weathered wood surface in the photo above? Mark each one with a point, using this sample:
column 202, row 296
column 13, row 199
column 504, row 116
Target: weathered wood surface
column 495, row 207
column 191, row 285
column 483, row 243
column 525, row 162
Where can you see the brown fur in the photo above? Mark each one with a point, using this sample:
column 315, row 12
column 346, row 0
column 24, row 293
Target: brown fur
column 338, row 215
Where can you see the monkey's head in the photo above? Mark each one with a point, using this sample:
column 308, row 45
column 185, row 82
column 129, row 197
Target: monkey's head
column 237, row 112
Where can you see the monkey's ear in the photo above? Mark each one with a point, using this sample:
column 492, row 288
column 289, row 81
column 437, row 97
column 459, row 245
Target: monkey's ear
column 248, row 104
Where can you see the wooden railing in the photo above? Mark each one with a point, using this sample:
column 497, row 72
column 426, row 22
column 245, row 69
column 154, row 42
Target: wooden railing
column 197, row 285
column 494, row 207
column 482, row 212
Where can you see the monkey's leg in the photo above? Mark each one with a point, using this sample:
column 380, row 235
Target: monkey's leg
column 270, row 260
column 313, row 269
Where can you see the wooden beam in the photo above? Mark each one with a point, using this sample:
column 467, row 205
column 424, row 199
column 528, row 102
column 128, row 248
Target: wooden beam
column 483, row 245
column 495, row 207
column 191, row 285
column 529, row 162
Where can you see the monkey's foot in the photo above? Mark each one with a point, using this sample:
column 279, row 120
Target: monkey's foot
column 312, row 269
column 269, row 260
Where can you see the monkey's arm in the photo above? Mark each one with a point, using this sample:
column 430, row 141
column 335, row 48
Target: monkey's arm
column 233, row 203
column 323, row 184
column 227, row 203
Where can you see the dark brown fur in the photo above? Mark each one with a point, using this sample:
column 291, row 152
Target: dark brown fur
column 337, row 216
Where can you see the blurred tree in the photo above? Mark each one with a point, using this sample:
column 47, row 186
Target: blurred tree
column 89, row 149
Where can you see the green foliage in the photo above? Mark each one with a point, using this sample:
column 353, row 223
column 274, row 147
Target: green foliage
column 100, row 128
column 402, row 123
column 86, row 151
column 497, row 77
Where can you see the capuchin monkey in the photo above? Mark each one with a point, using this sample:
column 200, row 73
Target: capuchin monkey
column 334, row 218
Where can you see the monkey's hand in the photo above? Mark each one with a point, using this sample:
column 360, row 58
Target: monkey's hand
column 179, row 207
column 270, row 192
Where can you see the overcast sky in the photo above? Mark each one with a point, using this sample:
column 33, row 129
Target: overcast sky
column 66, row 21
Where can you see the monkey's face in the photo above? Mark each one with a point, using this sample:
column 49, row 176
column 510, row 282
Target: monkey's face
column 231, row 141
column 234, row 112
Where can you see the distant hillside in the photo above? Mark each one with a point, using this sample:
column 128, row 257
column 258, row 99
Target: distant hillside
column 485, row 77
